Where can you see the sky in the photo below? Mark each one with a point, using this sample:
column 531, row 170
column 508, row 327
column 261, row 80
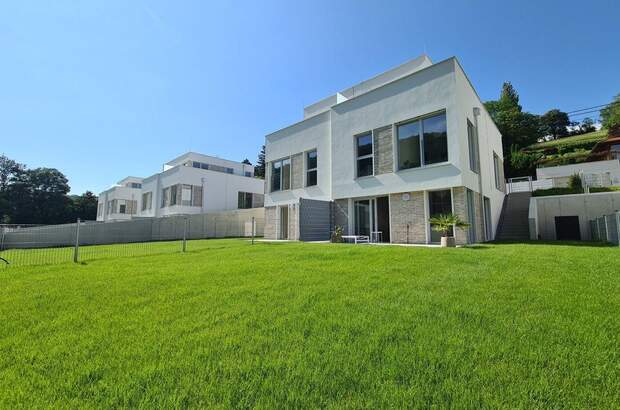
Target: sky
column 106, row 89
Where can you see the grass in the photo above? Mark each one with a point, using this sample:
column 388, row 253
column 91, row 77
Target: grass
column 589, row 139
column 317, row 325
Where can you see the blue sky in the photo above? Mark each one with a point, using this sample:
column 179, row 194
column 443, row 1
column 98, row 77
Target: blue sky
column 106, row 89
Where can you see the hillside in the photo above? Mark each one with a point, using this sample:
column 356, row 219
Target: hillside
column 569, row 150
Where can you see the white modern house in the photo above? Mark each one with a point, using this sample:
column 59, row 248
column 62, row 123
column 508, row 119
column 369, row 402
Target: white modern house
column 192, row 183
column 120, row 202
column 380, row 158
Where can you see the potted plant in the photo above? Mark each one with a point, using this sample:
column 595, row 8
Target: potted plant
column 443, row 223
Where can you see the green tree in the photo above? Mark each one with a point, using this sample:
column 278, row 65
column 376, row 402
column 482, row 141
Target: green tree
column 259, row 168
column 39, row 196
column 518, row 128
column 555, row 123
column 587, row 125
column 610, row 116
column 84, row 206
column 246, row 161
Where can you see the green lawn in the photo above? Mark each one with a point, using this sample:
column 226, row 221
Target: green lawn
column 589, row 139
column 316, row 325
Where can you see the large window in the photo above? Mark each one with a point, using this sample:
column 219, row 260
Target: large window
column 364, row 155
column 472, row 139
column 244, row 200
column 499, row 172
column 147, row 199
column 409, row 145
column 281, row 175
column 181, row 194
column 422, row 142
column 311, row 168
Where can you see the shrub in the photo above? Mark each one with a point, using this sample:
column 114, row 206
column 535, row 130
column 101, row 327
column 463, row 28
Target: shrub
column 557, row 191
column 443, row 222
column 574, row 182
column 337, row 234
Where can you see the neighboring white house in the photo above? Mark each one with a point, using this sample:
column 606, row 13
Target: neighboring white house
column 120, row 202
column 597, row 173
column 387, row 154
column 189, row 184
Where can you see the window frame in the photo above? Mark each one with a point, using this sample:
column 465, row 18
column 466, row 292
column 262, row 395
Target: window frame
column 357, row 158
column 271, row 165
column 498, row 165
column 473, row 144
column 420, row 119
column 308, row 170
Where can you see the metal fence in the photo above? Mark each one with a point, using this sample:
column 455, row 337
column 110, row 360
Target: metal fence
column 87, row 240
column 606, row 228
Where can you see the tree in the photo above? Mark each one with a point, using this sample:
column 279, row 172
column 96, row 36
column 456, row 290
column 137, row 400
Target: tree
column 84, row 206
column 610, row 116
column 39, row 196
column 246, row 161
column 518, row 128
column 259, row 168
column 8, row 170
column 587, row 125
column 555, row 123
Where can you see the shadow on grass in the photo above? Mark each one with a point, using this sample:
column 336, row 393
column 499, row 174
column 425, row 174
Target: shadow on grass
column 578, row 244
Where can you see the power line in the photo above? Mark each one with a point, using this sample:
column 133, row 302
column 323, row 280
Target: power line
column 596, row 106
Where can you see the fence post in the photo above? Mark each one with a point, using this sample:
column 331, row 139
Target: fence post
column 2, row 238
column 76, row 248
column 252, row 230
column 618, row 226
column 185, row 220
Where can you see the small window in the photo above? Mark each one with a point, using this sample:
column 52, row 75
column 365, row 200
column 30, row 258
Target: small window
column 186, row 195
column 248, row 174
column 499, row 172
column 311, row 168
column 196, row 164
column 147, row 198
column 472, row 138
column 364, row 155
column 276, row 175
column 122, row 208
column 244, row 200
column 281, row 175
column 196, row 195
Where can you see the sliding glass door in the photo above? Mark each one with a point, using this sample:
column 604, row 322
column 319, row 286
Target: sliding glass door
column 439, row 202
column 363, row 216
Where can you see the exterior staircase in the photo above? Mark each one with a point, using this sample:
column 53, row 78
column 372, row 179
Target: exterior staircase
column 514, row 223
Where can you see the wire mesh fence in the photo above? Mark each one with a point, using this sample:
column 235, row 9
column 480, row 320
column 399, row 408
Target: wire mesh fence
column 86, row 240
column 606, row 228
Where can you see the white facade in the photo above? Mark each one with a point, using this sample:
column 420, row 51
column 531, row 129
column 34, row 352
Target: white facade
column 190, row 184
column 411, row 91
column 121, row 201
column 597, row 173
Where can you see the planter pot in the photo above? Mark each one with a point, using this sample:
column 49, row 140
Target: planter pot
column 448, row 242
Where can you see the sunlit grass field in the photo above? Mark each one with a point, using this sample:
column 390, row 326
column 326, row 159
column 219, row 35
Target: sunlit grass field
column 285, row 325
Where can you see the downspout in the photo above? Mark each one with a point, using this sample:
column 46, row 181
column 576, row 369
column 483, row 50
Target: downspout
column 482, row 210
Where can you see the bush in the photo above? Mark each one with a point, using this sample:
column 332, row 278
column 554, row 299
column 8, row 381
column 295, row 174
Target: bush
column 604, row 188
column 557, row 191
column 574, row 182
column 337, row 234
